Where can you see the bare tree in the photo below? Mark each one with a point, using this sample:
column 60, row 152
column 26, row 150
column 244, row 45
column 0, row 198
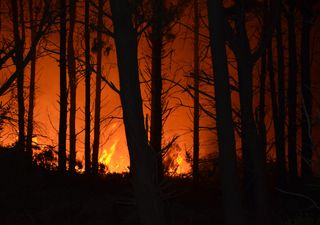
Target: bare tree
column 306, row 106
column 72, row 86
column 87, row 91
column 142, row 159
column 63, row 89
column 32, row 83
column 196, row 111
column 96, row 140
column 292, row 91
column 226, row 139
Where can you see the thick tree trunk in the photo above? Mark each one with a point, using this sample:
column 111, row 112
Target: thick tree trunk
column 63, row 89
column 306, row 108
column 19, row 45
column 156, row 85
column 96, row 141
column 281, row 89
column 73, row 88
column 32, row 85
column 87, row 150
column 262, row 106
column 292, row 93
column 249, row 132
column 142, row 159
column 280, row 156
column 196, row 114
column 226, row 140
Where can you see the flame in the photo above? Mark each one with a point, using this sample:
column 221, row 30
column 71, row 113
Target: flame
column 106, row 155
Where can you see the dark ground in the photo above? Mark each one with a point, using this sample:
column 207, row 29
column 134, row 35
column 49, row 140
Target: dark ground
column 34, row 196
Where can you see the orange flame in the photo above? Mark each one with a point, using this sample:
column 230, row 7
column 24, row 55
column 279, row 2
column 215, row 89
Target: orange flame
column 106, row 155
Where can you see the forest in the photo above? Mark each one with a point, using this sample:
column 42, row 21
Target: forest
column 160, row 112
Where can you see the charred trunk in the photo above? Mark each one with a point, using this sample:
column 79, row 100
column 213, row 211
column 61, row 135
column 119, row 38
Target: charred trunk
column 63, row 89
column 142, row 159
column 226, row 139
column 87, row 149
column 96, row 141
column 72, row 87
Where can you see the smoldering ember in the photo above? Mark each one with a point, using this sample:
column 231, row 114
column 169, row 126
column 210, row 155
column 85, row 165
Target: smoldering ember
column 159, row 112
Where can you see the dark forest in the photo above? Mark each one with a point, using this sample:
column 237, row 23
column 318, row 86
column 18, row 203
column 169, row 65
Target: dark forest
column 160, row 112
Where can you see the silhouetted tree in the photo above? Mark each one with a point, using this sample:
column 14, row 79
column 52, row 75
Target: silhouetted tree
column 72, row 86
column 156, row 82
column 87, row 147
column 226, row 139
column 19, row 41
column 292, row 91
column 32, row 83
column 196, row 111
column 262, row 105
column 96, row 140
column 255, row 166
column 63, row 88
column 306, row 106
column 142, row 158
column 281, row 142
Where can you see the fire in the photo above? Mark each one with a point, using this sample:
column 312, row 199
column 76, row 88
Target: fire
column 106, row 155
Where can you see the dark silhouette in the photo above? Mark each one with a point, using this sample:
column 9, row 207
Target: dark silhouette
column 142, row 158
column 32, row 84
column 196, row 113
column 156, row 83
column 87, row 141
column 306, row 98
column 281, row 142
column 72, row 86
column 19, row 40
column 226, row 140
column 96, row 140
column 292, row 91
column 63, row 88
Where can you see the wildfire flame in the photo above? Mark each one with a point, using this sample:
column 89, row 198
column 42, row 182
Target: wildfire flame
column 106, row 155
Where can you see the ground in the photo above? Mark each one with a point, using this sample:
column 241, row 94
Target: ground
column 35, row 196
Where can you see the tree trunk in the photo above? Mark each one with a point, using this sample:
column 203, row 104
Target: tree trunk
column 19, row 45
column 142, row 159
column 156, row 86
column 262, row 106
column 196, row 114
column 96, row 141
column 306, row 108
column 280, row 156
column 63, row 89
column 32, row 85
column 292, row 93
column 226, row 139
column 87, row 91
column 249, row 132
column 73, row 87
column 281, row 89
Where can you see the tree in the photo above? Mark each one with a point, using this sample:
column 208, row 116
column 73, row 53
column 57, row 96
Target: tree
column 156, row 83
column 142, row 158
column 292, row 91
column 254, row 164
column 63, row 89
column 19, row 41
column 306, row 106
column 87, row 147
column 281, row 91
column 196, row 112
column 226, row 140
column 96, row 140
column 72, row 86
column 32, row 84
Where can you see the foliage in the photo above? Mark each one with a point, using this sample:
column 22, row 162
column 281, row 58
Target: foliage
column 46, row 157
